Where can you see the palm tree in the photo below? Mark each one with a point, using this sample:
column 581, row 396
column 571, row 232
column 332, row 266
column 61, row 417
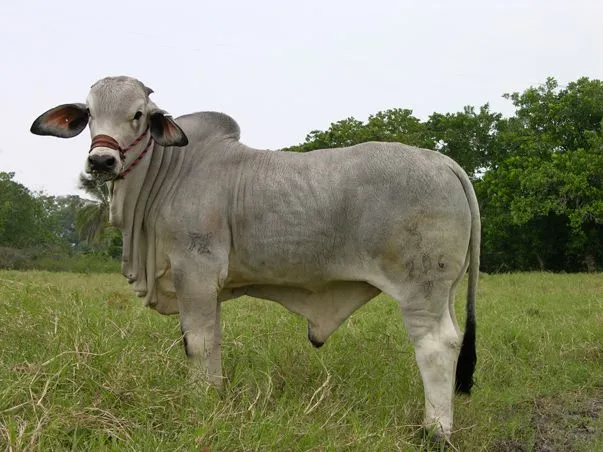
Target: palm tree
column 92, row 220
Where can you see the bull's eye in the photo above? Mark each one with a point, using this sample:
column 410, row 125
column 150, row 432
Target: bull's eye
column 138, row 115
column 88, row 112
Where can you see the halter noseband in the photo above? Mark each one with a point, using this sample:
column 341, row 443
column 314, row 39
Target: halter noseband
column 107, row 141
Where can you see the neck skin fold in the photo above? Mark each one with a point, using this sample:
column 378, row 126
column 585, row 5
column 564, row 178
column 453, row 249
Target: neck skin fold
column 133, row 208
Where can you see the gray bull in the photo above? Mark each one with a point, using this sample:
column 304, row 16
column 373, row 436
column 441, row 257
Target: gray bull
column 205, row 218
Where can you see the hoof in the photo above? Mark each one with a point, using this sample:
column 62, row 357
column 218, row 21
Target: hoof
column 202, row 380
column 435, row 436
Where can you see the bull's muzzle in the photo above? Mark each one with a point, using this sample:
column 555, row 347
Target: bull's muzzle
column 101, row 163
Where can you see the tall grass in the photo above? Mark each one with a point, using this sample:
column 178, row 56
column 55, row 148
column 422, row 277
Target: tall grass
column 84, row 366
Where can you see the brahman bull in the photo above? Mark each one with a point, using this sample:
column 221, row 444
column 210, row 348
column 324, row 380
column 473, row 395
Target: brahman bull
column 205, row 218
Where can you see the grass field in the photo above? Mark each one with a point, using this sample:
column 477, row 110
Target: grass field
column 83, row 366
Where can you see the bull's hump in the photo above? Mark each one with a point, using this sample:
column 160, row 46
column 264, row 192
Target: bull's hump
column 206, row 124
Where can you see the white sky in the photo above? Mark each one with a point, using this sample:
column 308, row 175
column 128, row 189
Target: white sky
column 280, row 68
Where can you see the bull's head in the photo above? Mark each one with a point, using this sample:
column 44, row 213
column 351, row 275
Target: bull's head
column 123, row 124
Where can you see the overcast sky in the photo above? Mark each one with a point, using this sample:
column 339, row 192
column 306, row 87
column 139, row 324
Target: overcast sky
column 280, row 68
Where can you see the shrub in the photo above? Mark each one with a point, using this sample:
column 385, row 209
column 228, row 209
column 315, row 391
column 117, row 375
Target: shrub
column 57, row 260
column 14, row 259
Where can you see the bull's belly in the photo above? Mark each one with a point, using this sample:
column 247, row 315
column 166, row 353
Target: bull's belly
column 416, row 258
column 394, row 245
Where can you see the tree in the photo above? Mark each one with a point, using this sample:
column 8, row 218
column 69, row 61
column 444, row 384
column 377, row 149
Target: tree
column 549, row 189
column 551, row 118
column 399, row 125
column 62, row 212
column 93, row 219
column 389, row 125
column 23, row 219
column 468, row 137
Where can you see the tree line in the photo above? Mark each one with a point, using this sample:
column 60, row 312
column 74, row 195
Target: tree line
column 56, row 232
column 538, row 176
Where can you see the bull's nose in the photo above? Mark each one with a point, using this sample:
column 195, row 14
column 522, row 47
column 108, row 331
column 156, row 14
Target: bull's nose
column 101, row 163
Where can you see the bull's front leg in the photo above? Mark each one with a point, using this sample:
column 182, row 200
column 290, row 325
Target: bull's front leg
column 199, row 307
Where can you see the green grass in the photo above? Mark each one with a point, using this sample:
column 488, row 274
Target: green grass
column 83, row 366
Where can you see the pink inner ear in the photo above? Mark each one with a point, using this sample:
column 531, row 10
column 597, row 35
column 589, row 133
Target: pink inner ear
column 62, row 117
column 170, row 129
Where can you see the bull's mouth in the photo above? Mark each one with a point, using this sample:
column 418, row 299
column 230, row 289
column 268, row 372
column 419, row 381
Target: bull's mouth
column 91, row 179
column 104, row 165
column 102, row 177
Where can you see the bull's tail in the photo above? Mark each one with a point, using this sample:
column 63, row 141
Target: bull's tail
column 467, row 357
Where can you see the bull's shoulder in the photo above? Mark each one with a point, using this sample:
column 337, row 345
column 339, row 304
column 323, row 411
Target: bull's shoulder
column 206, row 124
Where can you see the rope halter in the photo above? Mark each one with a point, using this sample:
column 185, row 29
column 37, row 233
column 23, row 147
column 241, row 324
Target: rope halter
column 107, row 141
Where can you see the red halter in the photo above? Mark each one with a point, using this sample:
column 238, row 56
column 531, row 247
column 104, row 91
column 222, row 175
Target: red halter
column 107, row 141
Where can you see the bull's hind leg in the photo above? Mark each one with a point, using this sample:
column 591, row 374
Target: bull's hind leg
column 432, row 330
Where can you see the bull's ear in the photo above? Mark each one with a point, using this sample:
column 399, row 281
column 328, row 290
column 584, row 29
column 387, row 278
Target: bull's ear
column 165, row 131
column 64, row 121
